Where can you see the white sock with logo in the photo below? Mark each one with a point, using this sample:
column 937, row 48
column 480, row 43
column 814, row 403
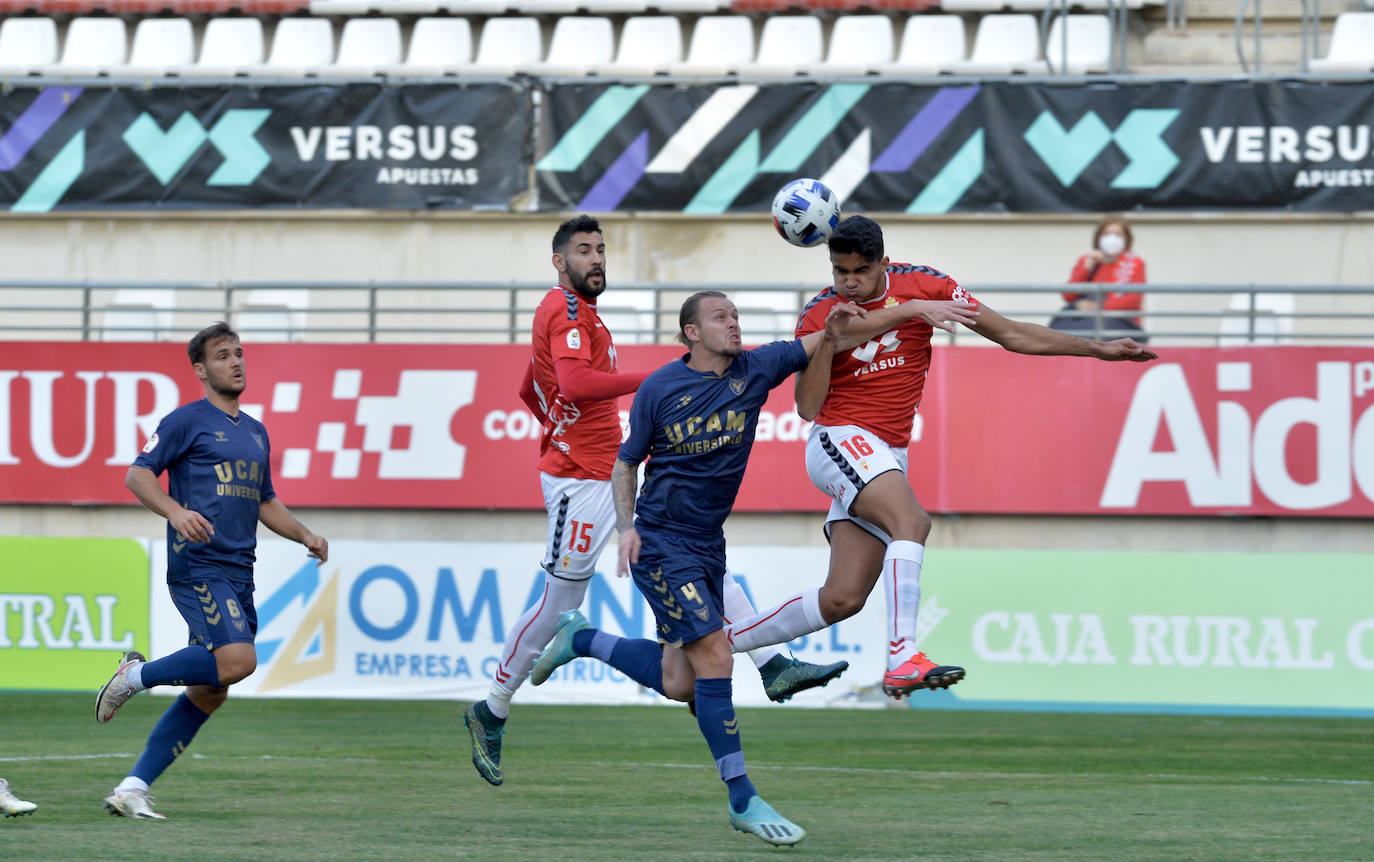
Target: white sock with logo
column 738, row 607
column 528, row 637
column 902, row 586
column 799, row 615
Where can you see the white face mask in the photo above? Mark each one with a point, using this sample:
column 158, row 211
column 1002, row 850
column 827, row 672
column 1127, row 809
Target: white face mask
column 1111, row 244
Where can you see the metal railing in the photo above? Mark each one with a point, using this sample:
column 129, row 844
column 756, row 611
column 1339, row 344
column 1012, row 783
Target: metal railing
column 637, row 312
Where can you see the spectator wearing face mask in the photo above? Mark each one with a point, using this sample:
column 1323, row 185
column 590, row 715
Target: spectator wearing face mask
column 1111, row 263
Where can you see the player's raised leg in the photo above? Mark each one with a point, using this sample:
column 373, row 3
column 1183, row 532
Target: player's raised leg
column 220, row 614
column 782, row 676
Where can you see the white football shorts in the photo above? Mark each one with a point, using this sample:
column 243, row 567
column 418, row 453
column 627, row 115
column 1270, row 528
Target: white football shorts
column 581, row 519
column 841, row 460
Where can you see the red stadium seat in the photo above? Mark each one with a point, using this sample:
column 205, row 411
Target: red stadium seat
column 72, row 7
column 204, row 7
column 135, row 7
column 274, row 7
column 838, row 5
column 17, row 7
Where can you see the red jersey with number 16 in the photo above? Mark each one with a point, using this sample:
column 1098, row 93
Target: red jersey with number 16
column 580, row 439
column 878, row 385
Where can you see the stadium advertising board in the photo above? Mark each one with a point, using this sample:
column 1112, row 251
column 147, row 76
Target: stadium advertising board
column 428, row 620
column 1118, row 630
column 1256, row 431
column 318, row 146
column 961, row 147
column 68, row 610
column 1035, row 629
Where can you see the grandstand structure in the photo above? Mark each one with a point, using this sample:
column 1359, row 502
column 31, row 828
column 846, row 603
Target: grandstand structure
column 617, row 38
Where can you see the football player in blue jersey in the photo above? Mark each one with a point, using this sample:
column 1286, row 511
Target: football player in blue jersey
column 694, row 419
column 217, row 460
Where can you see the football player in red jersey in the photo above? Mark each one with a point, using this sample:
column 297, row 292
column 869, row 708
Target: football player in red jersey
column 863, row 407
column 572, row 385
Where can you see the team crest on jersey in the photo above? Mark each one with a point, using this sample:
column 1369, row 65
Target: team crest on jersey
column 235, row 614
column 257, row 438
column 684, row 401
column 737, row 386
column 151, row 444
column 220, row 438
column 574, row 339
column 891, row 301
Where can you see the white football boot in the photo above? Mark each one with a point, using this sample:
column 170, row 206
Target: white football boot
column 117, row 691
column 10, row 806
column 132, row 803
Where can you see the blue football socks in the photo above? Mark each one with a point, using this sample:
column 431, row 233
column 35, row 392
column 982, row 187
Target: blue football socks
column 194, row 665
column 716, row 718
column 170, row 736
column 638, row 658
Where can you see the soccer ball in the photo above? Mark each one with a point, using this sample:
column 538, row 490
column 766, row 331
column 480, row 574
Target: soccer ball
column 805, row 212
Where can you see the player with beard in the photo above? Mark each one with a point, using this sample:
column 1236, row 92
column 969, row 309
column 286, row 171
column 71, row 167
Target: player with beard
column 218, row 464
column 571, row 385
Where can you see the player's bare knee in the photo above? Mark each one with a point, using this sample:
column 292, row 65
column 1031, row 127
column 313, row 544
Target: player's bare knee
column 207, row 698
column 837, row 605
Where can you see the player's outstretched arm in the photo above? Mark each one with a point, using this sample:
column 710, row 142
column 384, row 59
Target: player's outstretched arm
column 277, row 518
column 624, row 485
column 191, row 526
column 1036, row 340
column 939, row 313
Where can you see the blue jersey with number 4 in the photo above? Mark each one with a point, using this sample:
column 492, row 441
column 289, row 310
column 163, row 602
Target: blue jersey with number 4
column 216, row 465
column 696, row 428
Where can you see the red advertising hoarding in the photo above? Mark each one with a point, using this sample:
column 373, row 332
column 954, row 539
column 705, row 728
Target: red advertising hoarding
column 1258, row 431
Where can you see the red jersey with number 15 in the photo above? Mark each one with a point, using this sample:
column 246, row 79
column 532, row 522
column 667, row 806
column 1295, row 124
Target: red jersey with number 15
column 580, row 439
column 878, row 385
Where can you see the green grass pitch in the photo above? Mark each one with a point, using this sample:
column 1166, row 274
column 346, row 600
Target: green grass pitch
column 349, row 780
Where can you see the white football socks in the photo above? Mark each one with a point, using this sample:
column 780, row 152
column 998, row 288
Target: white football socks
column 902, row 586
column 799, row 615
column 528, row 637
column 738, row 607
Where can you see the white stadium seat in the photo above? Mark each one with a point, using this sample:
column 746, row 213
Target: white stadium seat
column 721, row 44
column 1086, row 41
column 1352, row 45
column 27, row 45
column 300, row 47
column 231, row 46
column 859, row 44
column 507, row 45
column 649, row 44
column 1004, row 44
column 438, row 46
column 93, row 47
column 579, row 44
column 367, row 46
column 931, row 44
column 790, row 44
column 162, row 46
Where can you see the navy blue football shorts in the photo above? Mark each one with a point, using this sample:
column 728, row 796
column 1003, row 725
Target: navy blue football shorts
column 217, row 611
column 683, row 578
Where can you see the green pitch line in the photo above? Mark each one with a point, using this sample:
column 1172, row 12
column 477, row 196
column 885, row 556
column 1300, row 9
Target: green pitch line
column 308, row 780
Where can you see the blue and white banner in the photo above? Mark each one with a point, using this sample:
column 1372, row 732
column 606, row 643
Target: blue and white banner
column 429, row 620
